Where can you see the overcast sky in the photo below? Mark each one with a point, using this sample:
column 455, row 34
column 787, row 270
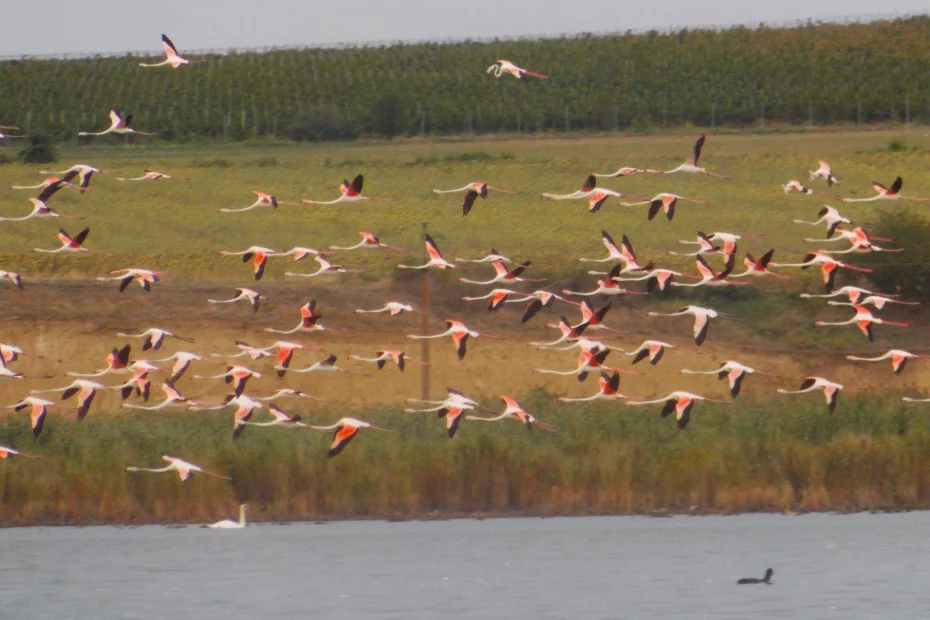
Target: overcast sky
column 108, row 26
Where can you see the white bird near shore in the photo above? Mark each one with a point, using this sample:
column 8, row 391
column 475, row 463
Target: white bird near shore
column 228, row 524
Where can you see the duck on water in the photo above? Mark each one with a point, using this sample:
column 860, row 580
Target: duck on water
column 766, row 580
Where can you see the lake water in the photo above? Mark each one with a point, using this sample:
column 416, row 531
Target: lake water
column 826, row 566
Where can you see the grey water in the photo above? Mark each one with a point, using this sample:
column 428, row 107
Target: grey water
column 826, row 566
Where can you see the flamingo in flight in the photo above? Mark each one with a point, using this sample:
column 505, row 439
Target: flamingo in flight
column 145, row 278
column 854, row 293
column 863, row 319
column 83, row 171
column 898, row 359
column 309, row 321
column 569, row 333
column 702, row 317
column 690, row 165
column 153, row 338
column 505, row 275
column 860, row 240
column 831, row 390
column 460, row 334
column 887, row 193
column 879, row 301
column 626, row 171
column 286, row 353
column 435, row 257
column 497, row 297
column 502, row 67
column 664, row 201
column 608, row 386
column 182, row 361
column 759, row 268
column 242, row 294
column 13, row 277
column 493, row 257
column 10, row 374
column 171, row 56
column 245, row 407
column 257, row 254
column 733, row 372
column 49, row 187
column 680, row 402
column 593, row 319
column 152, row 175
column 711, row 278
column 344, row 430
column 515, row 412
column 118, row 125
column 281, row 393
column 8, row 453
column 537, row 301
column 596, row 197
column 392, row 307
column 473, row 191
column 68, row 243
column 117, row 360
column 658, row 278
column 588, row 362
column 325, row 268
column 825, row 172
column 706, row 246
column 828, row 215
column 236, row 375
column 828, row 266
column 605, row 286
column 10, row 353
column 857, row 234
column 729, row 240
column 796, row 186
column 381, row 357
column 172, row 398
column 653, row 349
column 622, row 253
column 262, row 200
column 184, row 469
column 4, row 136
column 281, row 418
column 37, row 413
column 454, row 398
column 349, row 192
column 369, row 241
column 39, row 209
column 246, row 349
column 85, row 390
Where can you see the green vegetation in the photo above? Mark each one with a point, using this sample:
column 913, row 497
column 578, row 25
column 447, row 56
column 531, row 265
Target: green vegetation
column 764, row 455
column 814, row 73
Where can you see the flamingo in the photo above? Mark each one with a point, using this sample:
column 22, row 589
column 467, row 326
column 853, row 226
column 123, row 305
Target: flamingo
column 345, row 429
column 4, row 136
column 325, row 268
column 887, row 193
column 393, row 307
column 349, row 192
column 472, row 192
column 37, row 413
column 794, row 185
column 569, row 333
column 285, row 354
column 879, row 301
column 593, row 319
column 299, row 253
column 733, row 372
column 680, row 402
column 242, row 294
column 83, row 171
column 497, row 297
column 588, row 362
column 281, row 418
column 502, row 67
column 596, row 197
column 653, row 349
column 658, row 278
column 729, row 240
column 828, row 215
column 369, row 241
column 824, row 172
column 39, row 209
column 228, row 524
column 86, row 390
column 702, row 317
column 831, row 390
column 326, row 365
column 10, row 374
column 664, row 201
column 690, row 165
column 50, row 186
column 515, row 412
column 759, row 268
column 853, row 236
column 117, row 360
column 118, row 125
column 711, row 278
column 860, row 242
column 608, row 386
column 171, row 56
column 906, row 399
column 152, row 175
column 246, row 349
column 281, row 393
column 182, row 361
column 586, row 344
column 244, row 405
column 706, row 246
column 381, row 357
column 13, row 277
column 8, row 453
column 263, row 200
column 257, row 254
column 184, row 468
column 459, row 332
column 153, row 338
column 854, row 293
column 493, row 257
column 172, row 397
column 626, row 171
column 828, row 266
column 308, row 321
column 863, row 319
column 145, row 278
column 435, row 257
column 505, row 275
column 898, row 359
column 605, row 286
column 454, row 398
column 11, row 352
column 138, row 384
column 238, row 375
column 537, row 301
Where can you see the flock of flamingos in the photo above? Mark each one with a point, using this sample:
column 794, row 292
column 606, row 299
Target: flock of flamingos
column 621, row 267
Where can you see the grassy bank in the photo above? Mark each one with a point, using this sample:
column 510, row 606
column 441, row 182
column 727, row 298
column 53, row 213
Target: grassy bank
column 763, row 455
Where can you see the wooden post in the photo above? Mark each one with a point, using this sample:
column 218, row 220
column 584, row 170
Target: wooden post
column 424, row 327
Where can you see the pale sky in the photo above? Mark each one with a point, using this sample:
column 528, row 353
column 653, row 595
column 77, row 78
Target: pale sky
column 109, row 26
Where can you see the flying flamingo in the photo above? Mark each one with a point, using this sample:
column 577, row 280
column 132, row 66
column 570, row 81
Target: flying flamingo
column 588, row 362
column 569, row 333
column 658, row 278
column 11, row 352
column 733, row 372
column 459, row 332
column 502, row 67
column 596, row 197
column 369, row 241
column 824, row 172
column 4, row 136
column 117, row 360
column 246, row 349
column 393, row 307
column 653, row 349
column 153, row 338
column 515, row 411
column 325, row 268
column 497, row 297
column 8, row 453
column 796, row 186
column 152, row 175
column 10, row 374
column 711, row 278
column 863, row 319
column 828, row 215
column 830, row 389
column 861, row 243
column 537, row 301
column 435, row 257
column 183, row 468
column 50, row 186
column 308, row 321
column 690, row 164
column 472, row 192
column 244, row 405
column 171, row 56
column 590, row 345
column 13, row 277
column 381, row 357
column 454, row 398
column 706, row 246
column 664, row 201
column 242, row 294
column 145, row 278
column 701, row 316
column 593, row 319
column 349, row 192
column 854, row 293
column 264, row 200
column 898, row 359
column 828, row 266
column 326, row 365
column 281, row 418
column 626, row 171
column 759, row 268
column 182, row 361
column 345, row 429
column 235, row 374
column 505, row 275
column 853, row 236
column 879, row 301
column 257, row 254
column 281, row 393
column 887, row 193
column 172, row 397
column 680, row 402
column 285, row 354
column 608, row 386
column 605, row 286
column 86, row 390
column 39, row 209
column 493, row 257
column 38, row 411
column 118, row 125
column 83, row 171
column 138, row 384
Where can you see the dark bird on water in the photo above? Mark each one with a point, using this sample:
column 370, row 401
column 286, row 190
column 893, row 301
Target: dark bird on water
column 766, row 580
